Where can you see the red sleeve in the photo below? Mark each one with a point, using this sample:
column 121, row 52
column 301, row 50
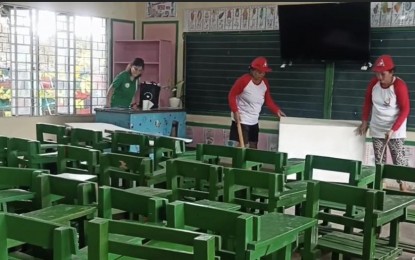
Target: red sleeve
column 402, row 98
column 367, row 105
column 237, row 88
column 269, row 101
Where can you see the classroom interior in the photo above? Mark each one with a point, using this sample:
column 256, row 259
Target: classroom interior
column 82, row 181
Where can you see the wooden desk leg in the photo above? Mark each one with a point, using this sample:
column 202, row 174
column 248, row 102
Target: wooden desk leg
column 394, row 233
column 285, row 253
column 81, row 228
column 310, row 241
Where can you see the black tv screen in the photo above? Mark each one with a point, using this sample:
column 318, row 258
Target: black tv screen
column 339, row 31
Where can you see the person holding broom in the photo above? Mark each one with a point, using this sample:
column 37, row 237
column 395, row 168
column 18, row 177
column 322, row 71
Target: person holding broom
column 387, row 99
column 246, row 98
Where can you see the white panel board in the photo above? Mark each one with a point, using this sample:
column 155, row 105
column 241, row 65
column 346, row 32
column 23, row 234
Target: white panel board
column 334, row 138
column 107, row 128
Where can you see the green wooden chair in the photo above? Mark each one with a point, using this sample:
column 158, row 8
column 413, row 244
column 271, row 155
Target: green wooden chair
column 184, row 244
column 244, row 236
column 77, row 203
column 78, row 163
column 264, row 191
column 17, row 188
column 398, row 173
column 166, row 148
column 277, row 162
column 3, row 150
column 130, row 144
column 27, row 153
column 197, row 182
column 358, row 176
column 124, row 171
column 353, row 168
column 113, row 201
column 224, row 155
column 219, row 154
column 364, row 246
column 236, row 229
column 58, row 133
column 131, row 172
column 17, row 230
column 134, row 144
column 88, row 138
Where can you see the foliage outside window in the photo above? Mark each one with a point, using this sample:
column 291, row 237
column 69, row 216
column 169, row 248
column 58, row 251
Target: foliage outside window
column 51, row 63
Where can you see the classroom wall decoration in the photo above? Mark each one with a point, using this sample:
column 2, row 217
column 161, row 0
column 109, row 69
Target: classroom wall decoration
column 392, row 14
column 160, row 9
column 252, row 18
column 248, row 18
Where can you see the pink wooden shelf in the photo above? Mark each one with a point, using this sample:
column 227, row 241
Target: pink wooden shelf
column 158, row 60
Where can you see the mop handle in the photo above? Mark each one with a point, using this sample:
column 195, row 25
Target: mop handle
column 384, row 149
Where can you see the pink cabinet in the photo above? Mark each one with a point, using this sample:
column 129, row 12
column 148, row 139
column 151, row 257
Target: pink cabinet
column 158, row 60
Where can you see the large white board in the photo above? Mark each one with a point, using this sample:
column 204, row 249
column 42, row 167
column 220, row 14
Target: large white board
column 106, row 128
column 334, row 138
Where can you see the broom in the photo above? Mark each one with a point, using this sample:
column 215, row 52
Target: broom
column 241, row 137
column 384, row 149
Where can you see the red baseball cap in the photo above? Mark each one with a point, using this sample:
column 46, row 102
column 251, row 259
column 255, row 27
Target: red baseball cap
column 383, row 63
column 261, row 64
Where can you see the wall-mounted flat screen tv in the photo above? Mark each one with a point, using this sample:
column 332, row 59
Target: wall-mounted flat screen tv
column 338, row 31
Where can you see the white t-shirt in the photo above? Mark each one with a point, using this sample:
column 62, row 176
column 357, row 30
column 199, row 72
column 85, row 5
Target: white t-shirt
column 247, row 98
column 385, row 111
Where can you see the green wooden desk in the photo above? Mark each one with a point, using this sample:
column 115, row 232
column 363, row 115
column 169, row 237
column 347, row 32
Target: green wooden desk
column 219, row 204
column 278, row 232
column 366, row 179
column 62, row 213
column 394, row 209
column 149, row 191
column 367, row 176
column 294, row 166
column 11, row 195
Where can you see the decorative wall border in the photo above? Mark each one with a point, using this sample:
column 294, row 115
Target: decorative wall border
column 247, row 18
column 260, row 18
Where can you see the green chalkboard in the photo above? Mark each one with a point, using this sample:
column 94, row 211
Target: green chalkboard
column 213, row 61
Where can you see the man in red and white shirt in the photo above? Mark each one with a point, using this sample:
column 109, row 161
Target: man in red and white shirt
column 246, row 98
column 387, row 98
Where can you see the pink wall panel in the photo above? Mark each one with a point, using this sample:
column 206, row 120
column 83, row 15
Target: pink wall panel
column 263, row 141
column 122, row 31
column 267, row 142
column 161, row 31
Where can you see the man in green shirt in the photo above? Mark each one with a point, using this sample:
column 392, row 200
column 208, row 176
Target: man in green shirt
column 123, row 90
